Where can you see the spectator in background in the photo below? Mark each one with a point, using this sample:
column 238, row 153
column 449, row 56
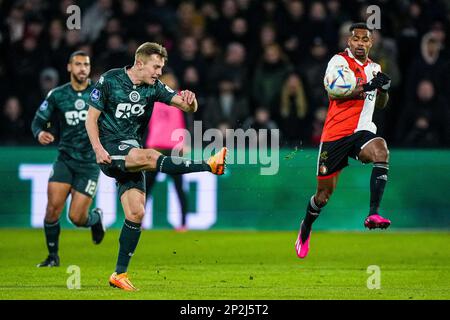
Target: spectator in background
column 314, row 70
column 426, row 65
column 13, row 128
column 27, row 59
column 165, row 12
column 320, row 26
column 227, row 105
column 189, row 20
column 48, row 79
column 16, row 24
column 132, row 19
column 164, row 121
column 209, row 50
column 268, row 78
column 186, row 56
column 421, row 122
column 384, row 50
column 292, row 31
column 294, row 121
column 223, row 25
column 56, row 47
column 233, row 67
column 115, row 55
column 191, row 81
column 239, row 31
column 261, row 120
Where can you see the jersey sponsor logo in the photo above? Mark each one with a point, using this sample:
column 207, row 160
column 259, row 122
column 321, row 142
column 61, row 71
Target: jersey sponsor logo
column 134, row 96
column 126, row 110
column 95, row 95
column 123, row 147
column 101, row 80
column 80, row 104
column 43, row 106
column 74, row 117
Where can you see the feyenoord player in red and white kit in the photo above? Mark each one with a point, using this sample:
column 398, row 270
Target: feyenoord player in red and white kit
column 349, row 132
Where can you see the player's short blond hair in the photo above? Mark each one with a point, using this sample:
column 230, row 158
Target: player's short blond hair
column 146, row 49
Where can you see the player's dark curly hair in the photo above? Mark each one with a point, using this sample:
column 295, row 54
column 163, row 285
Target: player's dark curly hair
column 360, row 25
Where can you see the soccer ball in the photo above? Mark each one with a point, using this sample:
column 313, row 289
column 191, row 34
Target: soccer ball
column 340, row 81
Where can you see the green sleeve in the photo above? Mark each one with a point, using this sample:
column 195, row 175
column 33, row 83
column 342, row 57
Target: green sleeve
column 99, row 95
column 43, row 114
column 164, row 93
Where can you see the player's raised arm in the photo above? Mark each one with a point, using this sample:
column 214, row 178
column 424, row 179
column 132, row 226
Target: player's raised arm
column 101, row 154
column 185, row 101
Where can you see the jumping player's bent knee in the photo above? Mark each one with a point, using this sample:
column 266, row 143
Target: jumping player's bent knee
column 381, row 155
column 77, row 219
column 322, row 197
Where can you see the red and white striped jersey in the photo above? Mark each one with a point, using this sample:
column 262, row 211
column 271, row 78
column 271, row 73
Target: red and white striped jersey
column 346, row 117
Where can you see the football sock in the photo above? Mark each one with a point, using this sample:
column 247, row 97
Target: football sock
column 176, row 165
column 128, row 240
column 378, row 181
column 93, row 218
column 312, row 213
column 52, row 231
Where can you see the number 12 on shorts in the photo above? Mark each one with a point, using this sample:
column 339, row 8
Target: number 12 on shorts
column 91, row 186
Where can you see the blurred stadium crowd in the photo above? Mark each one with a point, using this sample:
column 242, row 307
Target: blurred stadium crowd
column 251, row 63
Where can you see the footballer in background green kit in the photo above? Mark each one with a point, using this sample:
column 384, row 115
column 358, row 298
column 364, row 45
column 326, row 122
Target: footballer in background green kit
column 75, row 171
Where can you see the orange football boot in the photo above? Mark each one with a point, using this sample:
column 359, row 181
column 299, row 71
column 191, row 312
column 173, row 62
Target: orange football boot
column 217, row 162
column 121, row 281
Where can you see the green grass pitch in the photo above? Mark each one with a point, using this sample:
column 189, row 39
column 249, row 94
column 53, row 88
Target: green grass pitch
column 229, row 265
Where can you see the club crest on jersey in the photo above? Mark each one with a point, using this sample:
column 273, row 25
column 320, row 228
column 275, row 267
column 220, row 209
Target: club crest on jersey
column 43, row 106
column 95, row 95
column 80, row 104
column 134, row 96
column 323, row 169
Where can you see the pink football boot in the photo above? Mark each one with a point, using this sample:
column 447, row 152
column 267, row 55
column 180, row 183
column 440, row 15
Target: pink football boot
column 376, row 221
column 302, row 249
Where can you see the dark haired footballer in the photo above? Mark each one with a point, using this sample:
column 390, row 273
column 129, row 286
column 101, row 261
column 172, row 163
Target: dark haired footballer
column 349, row 132
column 75, row 171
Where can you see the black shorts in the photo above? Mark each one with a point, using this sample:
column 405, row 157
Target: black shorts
column 333, row 155
column 125, row 180
column 83, row 177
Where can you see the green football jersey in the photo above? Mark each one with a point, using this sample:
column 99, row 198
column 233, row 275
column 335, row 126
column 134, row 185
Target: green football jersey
column 71, row 107
column 126, row 107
